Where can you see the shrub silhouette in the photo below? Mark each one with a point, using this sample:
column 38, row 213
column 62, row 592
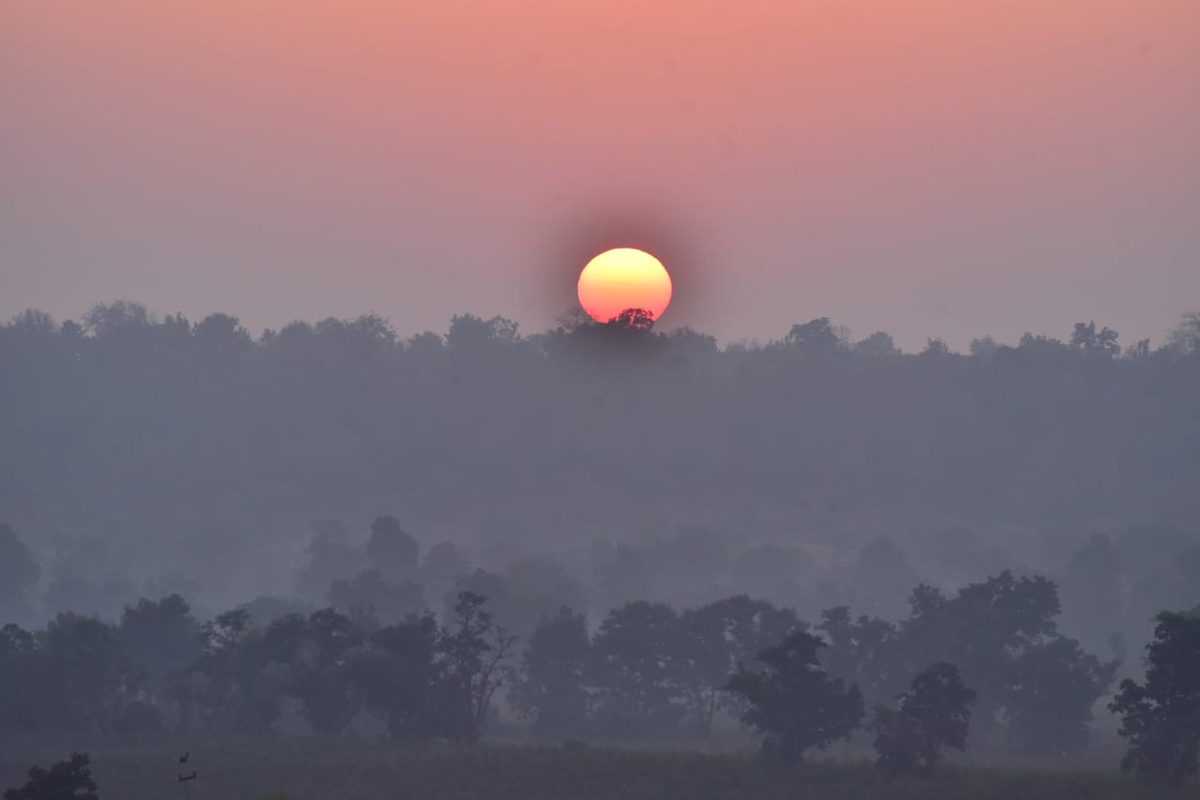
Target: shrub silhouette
column 933, row 714
column 794, row 702
column 66, row 780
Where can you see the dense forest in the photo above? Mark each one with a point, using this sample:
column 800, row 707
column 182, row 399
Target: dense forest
column 601, row 533
column 592, row 465
column 986, row 666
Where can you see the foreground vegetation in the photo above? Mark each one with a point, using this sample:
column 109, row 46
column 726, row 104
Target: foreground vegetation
column 315, row 769
column 644, row 675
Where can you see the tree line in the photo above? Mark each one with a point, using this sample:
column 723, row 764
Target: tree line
column 1105, row 586
column 990, row 654
column 134, row 426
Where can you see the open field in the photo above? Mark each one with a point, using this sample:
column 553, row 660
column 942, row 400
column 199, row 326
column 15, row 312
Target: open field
column 321, row 770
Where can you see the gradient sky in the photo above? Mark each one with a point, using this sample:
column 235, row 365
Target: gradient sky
column 930, row 168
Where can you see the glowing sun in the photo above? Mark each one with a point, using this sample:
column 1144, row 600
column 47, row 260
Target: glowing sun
column 621, row 279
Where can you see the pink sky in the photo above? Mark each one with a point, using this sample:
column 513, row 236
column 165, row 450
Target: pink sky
column 937, row 168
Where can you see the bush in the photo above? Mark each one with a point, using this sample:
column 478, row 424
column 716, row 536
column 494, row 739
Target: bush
column 933, row 714
column 66, row 780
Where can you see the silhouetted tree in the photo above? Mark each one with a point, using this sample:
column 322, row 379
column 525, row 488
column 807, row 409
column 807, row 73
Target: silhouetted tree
column 20, row 706
column 475, row 652
column 1160, row 719
column 1102, row 343
column 878, row 344
column 469, row 333
column 1185, row 337
column 239, row 690
column 83, row 682
column 318, row 656
column 330, row 558
column 161, row 639
column 401, row 680
column 67, row 780
column 1138, row 350
column 935, row 347
column 634, row 319
column 160, row 636
column 392, row 550
column 523, row 593
column 122, row 316
column 717, row 638
column 816, row 337
column 636, row 668
column 549, row 687
column 690, row 343
column 793, row 702
column 981, row 630
column 983, row 347
column 935, row 713
column 866, row 652
column 1051, row 690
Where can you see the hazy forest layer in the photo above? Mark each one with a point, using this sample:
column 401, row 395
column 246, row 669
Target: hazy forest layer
column 141, row 455
column 241, row 770
column 131, row 425
column 1018, row 515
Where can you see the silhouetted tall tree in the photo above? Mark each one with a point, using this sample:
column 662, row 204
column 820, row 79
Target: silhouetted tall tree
column 1051, row 690
column 549, row 688
column 318, row 656
column 330, row 558
column 716, row 639
column 816, row 337
column 160, row 636
column 935, row 713
column 981, row 630
column 1160, row 719
column 793, row 702
column 866, row 652
column 475, row 652
column 237, row 689
column 1087, row 339
column 401, row 679
column 636, row 668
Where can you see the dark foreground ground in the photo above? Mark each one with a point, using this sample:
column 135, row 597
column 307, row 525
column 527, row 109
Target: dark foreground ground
column 313, row 770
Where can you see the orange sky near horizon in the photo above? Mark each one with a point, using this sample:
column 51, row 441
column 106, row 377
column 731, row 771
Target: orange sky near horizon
column 931, row 168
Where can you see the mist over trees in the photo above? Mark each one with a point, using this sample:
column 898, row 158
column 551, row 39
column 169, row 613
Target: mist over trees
column 596, row 531
column 144, row 455
column 646, row 671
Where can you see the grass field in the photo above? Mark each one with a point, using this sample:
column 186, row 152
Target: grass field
column 345, row 770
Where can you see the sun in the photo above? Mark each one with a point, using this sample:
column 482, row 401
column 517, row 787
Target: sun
column 621, row 279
